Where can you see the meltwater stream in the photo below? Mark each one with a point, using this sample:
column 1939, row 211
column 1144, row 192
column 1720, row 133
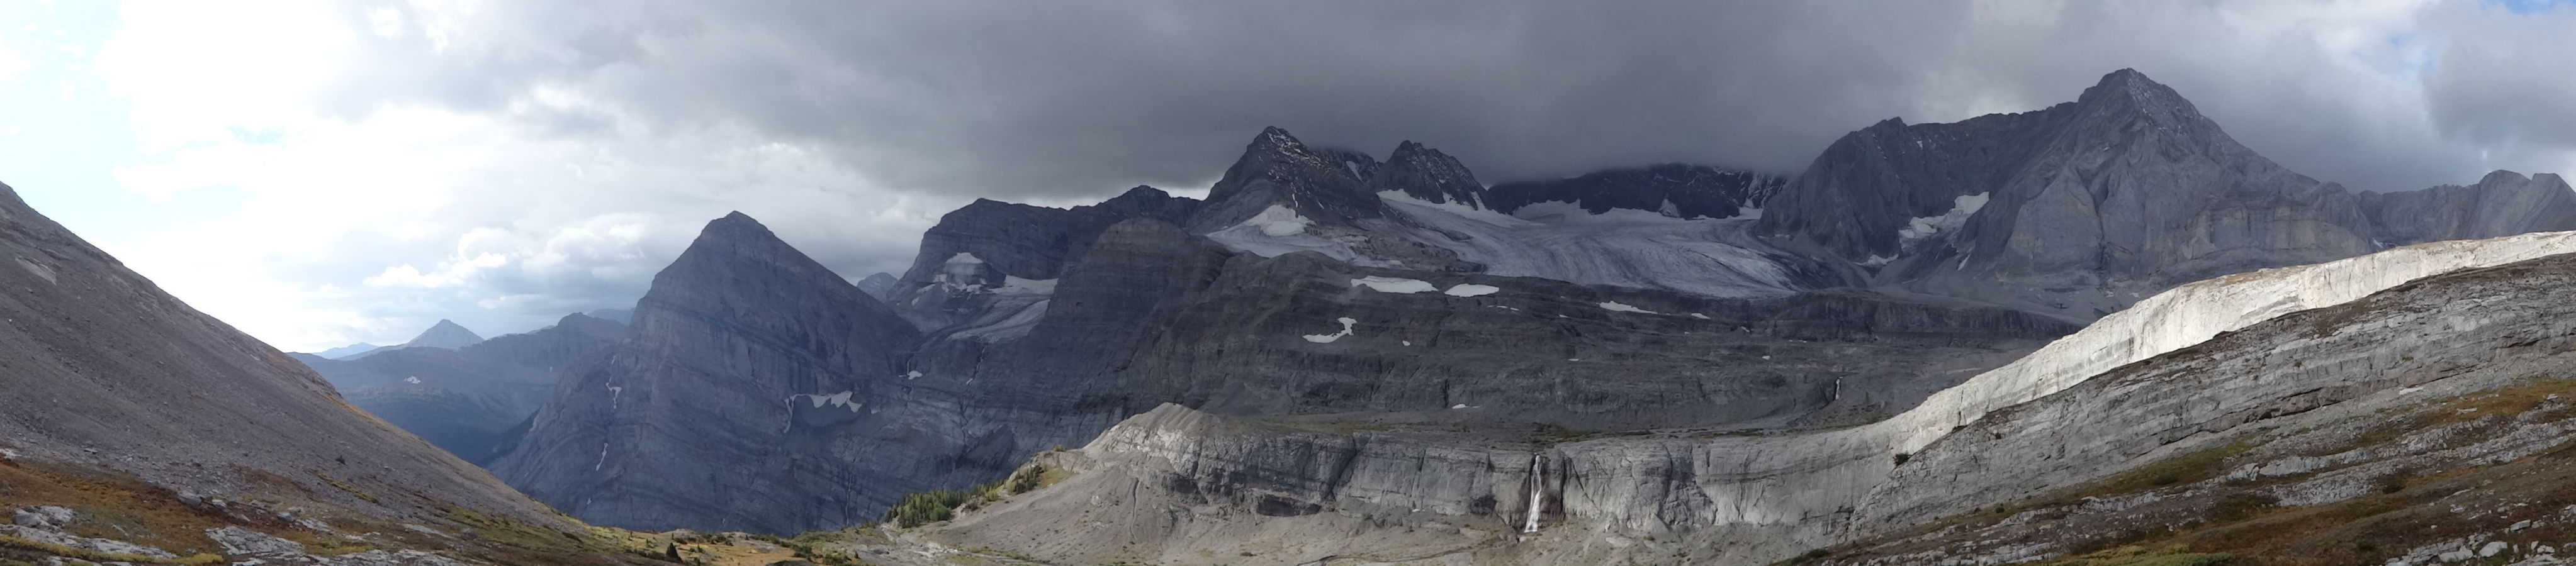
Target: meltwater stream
column 1538, row 487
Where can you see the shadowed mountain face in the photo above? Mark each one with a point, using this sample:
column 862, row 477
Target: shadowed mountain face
column 100, row 368
column 730, row 405
column 467, row 400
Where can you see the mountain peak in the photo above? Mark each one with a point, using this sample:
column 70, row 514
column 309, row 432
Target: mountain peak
column 878, row 284
column 1427, row 174
column 1278, row 170
column 2128, row 89
column 445, row 334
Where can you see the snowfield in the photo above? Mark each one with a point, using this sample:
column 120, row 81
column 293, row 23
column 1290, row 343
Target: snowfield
column 1278, row 231
column 1627, row 248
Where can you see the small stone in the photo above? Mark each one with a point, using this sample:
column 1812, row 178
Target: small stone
column 2492, row 548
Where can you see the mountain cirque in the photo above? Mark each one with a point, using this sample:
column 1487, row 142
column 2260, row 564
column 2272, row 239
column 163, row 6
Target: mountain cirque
column 1334, row 344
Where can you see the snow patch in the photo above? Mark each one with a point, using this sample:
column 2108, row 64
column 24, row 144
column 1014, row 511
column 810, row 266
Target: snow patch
column 1394, row 284
column 841, row 400
column 1699, row 316
column 1017, row 286
column 1471, row 290
column 1277, row 221
column 412, row 380
column 1278, row 231
column 963, row 258
column 916, row 374
column 1329, row 338
column 1615, row 306
column 1925, row 227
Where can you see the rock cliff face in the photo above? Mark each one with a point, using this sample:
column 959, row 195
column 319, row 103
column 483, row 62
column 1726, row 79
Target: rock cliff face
column 1677, row 190
column 2502, row 204
column 2074, row 210
column 747, row 369
column 105, row 372
column 2144, row 386
column 467, row 400
column 989, row 245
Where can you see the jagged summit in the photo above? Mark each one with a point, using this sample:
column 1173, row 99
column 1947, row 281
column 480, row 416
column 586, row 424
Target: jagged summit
column 1427, row 174
column 445, row 334
column 1278, row 170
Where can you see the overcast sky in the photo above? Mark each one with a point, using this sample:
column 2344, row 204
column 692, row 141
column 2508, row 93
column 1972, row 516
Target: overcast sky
column 319, row 173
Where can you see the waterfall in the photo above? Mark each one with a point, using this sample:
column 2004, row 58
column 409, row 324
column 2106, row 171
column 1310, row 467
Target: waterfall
column 1538, row 489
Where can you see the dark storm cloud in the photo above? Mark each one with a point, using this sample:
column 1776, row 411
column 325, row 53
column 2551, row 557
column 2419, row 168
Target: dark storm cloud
column 582, row 143
column 1021, row 99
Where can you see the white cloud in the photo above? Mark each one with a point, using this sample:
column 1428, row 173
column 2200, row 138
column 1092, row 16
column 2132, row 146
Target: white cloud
column 369, row 226
column 11, row 64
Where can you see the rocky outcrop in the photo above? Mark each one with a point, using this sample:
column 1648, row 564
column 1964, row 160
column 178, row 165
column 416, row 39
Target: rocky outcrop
column 1427, row 175
column 732, row 405
column 106, row 373
column 1676, row 190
